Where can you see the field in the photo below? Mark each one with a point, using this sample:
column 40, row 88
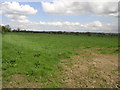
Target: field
column 57, row 60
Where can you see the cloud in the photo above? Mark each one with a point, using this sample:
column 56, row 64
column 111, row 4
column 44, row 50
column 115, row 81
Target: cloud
column 95, row 26
column 0, row 11
column 19, row 13
column 58, row 23
column 76, row 7
column 67, row 23
column 16, row 12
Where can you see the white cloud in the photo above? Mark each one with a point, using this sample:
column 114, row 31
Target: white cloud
column 76, row 7
column 67, row 23
column 95, row 26
column 0, row 11
column 19, row 13
column 58, row 23
column 16, row 12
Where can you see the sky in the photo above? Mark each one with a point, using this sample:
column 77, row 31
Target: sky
column 61, row 15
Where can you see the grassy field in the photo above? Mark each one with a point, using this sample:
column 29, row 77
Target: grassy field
column 36, row 56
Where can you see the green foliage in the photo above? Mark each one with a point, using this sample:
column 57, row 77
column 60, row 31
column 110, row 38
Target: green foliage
column 5, row 28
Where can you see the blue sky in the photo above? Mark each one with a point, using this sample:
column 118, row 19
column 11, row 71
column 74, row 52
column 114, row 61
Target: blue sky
column 45, row 15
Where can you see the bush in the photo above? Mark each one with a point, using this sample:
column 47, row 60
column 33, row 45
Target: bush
column 5, row 28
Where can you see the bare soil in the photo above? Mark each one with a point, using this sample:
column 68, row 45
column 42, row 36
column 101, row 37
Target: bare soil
column 90, row 69
column 21, row 81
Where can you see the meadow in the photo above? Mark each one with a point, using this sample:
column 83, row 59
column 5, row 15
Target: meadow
column 36, row 56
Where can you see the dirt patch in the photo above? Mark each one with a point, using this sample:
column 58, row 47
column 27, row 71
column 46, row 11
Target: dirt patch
column 90, row 69
column 21, row 81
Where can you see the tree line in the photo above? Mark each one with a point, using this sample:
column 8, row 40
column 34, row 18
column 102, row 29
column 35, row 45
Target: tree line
column 7, row 28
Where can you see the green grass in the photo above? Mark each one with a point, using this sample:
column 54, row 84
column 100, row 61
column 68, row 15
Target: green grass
column 0, row 56
column 37, row 55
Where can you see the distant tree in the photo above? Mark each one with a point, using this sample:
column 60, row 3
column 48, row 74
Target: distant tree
column 88, row 33
column 76, row 33
column 18, row 29
column 0, row 29
column 6, row 28
column 13, row 30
